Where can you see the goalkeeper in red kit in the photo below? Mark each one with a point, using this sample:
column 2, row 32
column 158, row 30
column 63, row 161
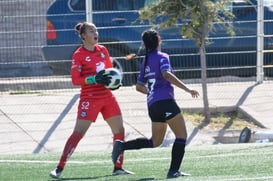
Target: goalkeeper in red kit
column 87, row 71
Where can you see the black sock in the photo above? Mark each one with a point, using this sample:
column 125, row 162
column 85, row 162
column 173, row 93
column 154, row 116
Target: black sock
column 138, row 144
column 117, row 168
column 59, row 169
column 178, row 151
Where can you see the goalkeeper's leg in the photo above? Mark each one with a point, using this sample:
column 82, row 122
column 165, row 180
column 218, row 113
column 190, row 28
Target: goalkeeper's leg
column 119, row 161
column 80, row 129
column 69, row 148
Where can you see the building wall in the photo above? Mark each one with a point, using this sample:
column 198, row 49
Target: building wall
column 22, row 33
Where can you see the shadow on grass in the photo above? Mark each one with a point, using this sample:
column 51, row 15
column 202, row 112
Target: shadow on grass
column 103, row 177
column 82, row 178
column 146, row 179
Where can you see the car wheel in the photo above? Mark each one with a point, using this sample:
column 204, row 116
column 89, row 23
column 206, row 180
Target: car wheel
column 245, row 135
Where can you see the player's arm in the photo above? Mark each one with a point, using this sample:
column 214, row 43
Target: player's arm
column 170, row 77
column 78, row 79
column 76, row 68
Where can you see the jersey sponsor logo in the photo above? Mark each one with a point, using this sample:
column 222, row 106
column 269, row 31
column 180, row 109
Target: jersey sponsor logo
column 167, row 114
column 88, row 59
column 100, row 66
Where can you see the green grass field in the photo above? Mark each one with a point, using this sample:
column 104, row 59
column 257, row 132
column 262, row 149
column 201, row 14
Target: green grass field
column 215, row 162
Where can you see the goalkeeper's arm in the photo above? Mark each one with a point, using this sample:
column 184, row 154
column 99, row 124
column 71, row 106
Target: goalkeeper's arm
column 100, row 78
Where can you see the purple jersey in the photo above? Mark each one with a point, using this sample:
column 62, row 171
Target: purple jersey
column 158, row 87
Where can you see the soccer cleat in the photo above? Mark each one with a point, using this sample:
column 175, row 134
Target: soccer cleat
column 120, row 171
column 175, row 174
column 56, row 173
column 117, row 150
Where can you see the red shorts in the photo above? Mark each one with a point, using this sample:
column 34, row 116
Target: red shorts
column 89, row 109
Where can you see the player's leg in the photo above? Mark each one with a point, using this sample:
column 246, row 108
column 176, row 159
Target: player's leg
column 112, row 114
column 80, row 129
column 87, row 113
column 178, row 127
column 158, row 133
column 116, row 125
column 120, row 146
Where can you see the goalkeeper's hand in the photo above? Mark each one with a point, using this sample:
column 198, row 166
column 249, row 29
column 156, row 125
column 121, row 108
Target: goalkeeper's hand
column 100, row 78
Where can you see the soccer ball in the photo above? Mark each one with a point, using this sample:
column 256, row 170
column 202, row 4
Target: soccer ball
column 116, row 78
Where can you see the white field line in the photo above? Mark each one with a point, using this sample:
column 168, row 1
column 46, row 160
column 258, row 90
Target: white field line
column 46, row 161
column 132, row 160
column 246, row 178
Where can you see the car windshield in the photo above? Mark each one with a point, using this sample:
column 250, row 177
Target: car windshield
column 77, row 5
column 110, row 5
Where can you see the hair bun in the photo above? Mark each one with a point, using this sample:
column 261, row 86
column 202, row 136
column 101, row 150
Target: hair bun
column 78, row 27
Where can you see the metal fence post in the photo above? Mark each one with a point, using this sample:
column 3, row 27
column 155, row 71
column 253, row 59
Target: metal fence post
column 88, row 10
column 260, row 41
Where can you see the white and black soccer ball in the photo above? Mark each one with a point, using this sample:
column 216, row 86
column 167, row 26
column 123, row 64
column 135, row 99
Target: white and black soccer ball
column 116, row 78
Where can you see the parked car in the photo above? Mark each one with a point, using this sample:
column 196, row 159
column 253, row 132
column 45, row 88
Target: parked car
column 120, row 31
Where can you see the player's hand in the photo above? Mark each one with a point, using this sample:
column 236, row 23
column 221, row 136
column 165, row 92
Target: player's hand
column 103, row 78
column 131, row 56
column 194, row 93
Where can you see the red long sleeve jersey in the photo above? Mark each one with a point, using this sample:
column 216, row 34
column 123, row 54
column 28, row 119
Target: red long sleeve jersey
column 86, row 63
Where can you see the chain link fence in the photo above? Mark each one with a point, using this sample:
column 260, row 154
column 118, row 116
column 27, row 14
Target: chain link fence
column 38, row 39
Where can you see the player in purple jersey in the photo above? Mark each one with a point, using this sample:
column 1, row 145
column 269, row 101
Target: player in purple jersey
column 157, row 73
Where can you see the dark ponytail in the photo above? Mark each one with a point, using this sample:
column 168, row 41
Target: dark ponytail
column 150, row 39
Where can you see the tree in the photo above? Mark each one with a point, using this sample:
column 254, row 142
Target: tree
column 198, row 19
